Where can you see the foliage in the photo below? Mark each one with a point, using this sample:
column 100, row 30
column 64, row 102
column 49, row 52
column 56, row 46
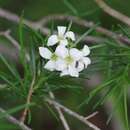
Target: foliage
column 110, row 59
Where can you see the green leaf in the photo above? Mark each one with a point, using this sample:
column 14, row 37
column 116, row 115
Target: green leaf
column 85, row 34
column 23, row 52
column 91, row 12
column 71, row 7
column 116, row 105
column 124, row 30
column 97, row 46
column 95, row 91
column 125, row 109
column 14, row 110
column 33, row 60
column 6, row 80
column 10, row 68
column 52, row 112
column 69, row 26
column 36, row 34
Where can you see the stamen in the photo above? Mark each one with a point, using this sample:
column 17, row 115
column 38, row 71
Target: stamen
column 69, row 59
column 54, row 57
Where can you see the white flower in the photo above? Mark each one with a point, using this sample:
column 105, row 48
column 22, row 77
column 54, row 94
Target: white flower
column 70, row 70
column 65, row 59
column 61, row 38
column 55, row 62
column 71, row 57
column 84, row 61
column 68, row 61
column 76, row 61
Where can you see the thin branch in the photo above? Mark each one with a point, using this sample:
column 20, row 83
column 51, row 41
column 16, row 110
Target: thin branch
column 7, row 35
column 61, row 115
column 112, row 12
column 84, row 23
column 38, row 25
column 16, row 19
column 25, row 112
column 13, row 17
column 14, row 42
column 41, row 24
column 73, row 114
column 14, row 120
column 92, row 115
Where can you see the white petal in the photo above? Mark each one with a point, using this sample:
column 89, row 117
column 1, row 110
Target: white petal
column 70, row 35
column 52, row 40
column 45, row 52
column 86, row 61
column 60, row 65
column 73, row 71
column 61, row 51
column 64, row 72
column 86, row 50
column 61, row 30
column 73, row 64
column 64, row 42
column 75, row 53
column 80, row 66
column 50, row 65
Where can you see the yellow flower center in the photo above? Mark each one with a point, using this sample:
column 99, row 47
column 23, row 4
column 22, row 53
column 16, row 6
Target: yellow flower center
column 54, row 57
column 60, row 38
column 69, row 59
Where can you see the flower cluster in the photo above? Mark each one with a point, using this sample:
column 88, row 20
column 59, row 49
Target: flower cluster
column 65, row 59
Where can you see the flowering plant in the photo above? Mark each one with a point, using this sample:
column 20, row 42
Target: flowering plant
column 25, row 84
column 66, row 59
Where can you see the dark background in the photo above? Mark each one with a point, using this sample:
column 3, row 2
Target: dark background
column 42, row 119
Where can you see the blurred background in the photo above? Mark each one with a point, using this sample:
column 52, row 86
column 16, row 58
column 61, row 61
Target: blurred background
column 42, row 119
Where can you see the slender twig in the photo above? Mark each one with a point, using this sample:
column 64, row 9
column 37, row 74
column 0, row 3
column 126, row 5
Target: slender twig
column 84, row 23
column 61, row 115
column 14, row 42
column 16, row 19
column 73, row 114
column 40, row 24
column 13, row 17
column 24, row 114
column 14, row 120
column 92, row 115
column 10, row 38
column 112, row 12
